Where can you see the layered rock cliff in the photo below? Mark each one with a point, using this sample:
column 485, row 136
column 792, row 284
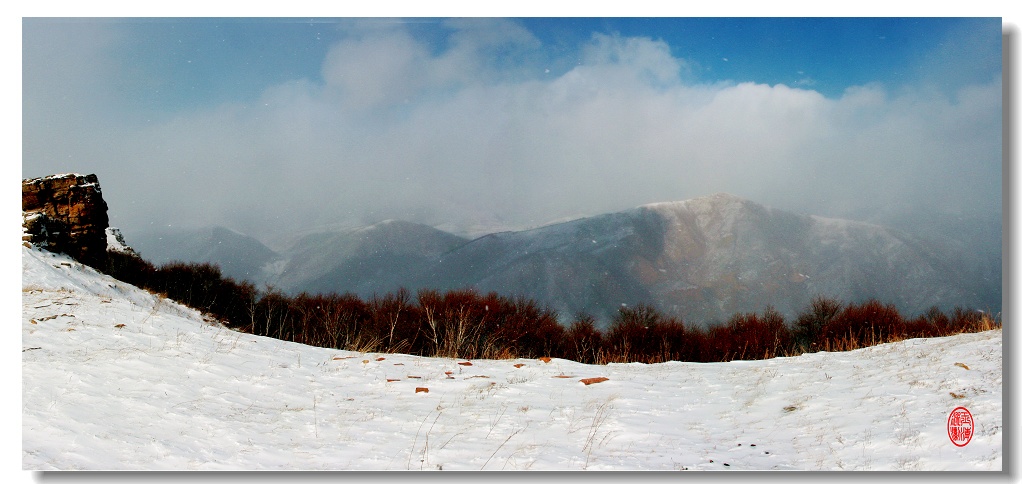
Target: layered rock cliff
column 66, row 213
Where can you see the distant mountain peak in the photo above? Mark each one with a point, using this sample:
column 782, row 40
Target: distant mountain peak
column 722, row 196
column 714, row 199
column 711, row 209
column 701, row 259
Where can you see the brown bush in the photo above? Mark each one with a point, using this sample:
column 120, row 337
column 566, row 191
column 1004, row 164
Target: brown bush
column 464, row 324
column 810, row 322
column 866, row 324
column 583, row 342
column 751, row 336
column 641, row 333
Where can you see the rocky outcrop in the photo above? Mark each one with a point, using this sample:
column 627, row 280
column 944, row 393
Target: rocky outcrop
column 66, row 213
column 115, row 242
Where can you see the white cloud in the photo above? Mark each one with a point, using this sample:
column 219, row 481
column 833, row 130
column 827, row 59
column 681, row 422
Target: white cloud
column 379, row 69
column 456, row 133
column 632, row 58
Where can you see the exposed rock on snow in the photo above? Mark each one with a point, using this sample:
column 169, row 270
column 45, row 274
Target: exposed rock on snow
column 115, row 241
column 66, row 213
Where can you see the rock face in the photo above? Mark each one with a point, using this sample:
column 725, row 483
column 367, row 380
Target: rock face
column 66, row 213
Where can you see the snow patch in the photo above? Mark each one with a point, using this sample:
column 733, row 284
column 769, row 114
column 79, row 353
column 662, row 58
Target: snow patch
column 115, row 241
column 117, row 378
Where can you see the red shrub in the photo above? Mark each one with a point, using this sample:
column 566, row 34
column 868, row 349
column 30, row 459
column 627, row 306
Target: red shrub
column 920, row 327
column 641, row 333
column 464, row 324
column 394, row 321
column 583, row 341
column 750, row 336
column 862, row 325
column 810, row 322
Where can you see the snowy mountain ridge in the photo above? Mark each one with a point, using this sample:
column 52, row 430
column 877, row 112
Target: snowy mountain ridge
column 115, row 378
column 702, row 260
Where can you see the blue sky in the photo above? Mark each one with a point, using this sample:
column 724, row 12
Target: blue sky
column 202, row 61
column 269, row 125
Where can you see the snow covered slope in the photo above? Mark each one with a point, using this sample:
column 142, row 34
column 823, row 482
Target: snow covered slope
column 116, row 378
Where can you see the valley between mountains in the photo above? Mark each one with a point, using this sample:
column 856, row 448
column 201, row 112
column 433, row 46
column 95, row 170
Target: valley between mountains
column 702, row 260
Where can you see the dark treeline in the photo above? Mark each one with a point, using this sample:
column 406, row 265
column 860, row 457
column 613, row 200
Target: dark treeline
column 466, row 324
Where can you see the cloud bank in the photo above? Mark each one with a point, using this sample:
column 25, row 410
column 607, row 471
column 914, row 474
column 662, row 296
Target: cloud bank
column 489, row 129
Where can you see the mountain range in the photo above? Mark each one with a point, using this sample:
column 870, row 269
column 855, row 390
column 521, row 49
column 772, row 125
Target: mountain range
column 702, row 260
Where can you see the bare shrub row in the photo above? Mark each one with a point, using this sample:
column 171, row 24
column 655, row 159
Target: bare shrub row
column 466, row 324
column 645, row 335
column 459, row 323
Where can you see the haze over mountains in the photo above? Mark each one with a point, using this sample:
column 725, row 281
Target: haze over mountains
column 239, row 256
column 702, row 260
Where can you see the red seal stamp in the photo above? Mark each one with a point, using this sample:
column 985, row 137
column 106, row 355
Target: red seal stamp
column 960, row 426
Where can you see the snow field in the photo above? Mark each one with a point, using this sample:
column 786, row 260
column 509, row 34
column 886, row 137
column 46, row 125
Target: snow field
column 116, row 378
